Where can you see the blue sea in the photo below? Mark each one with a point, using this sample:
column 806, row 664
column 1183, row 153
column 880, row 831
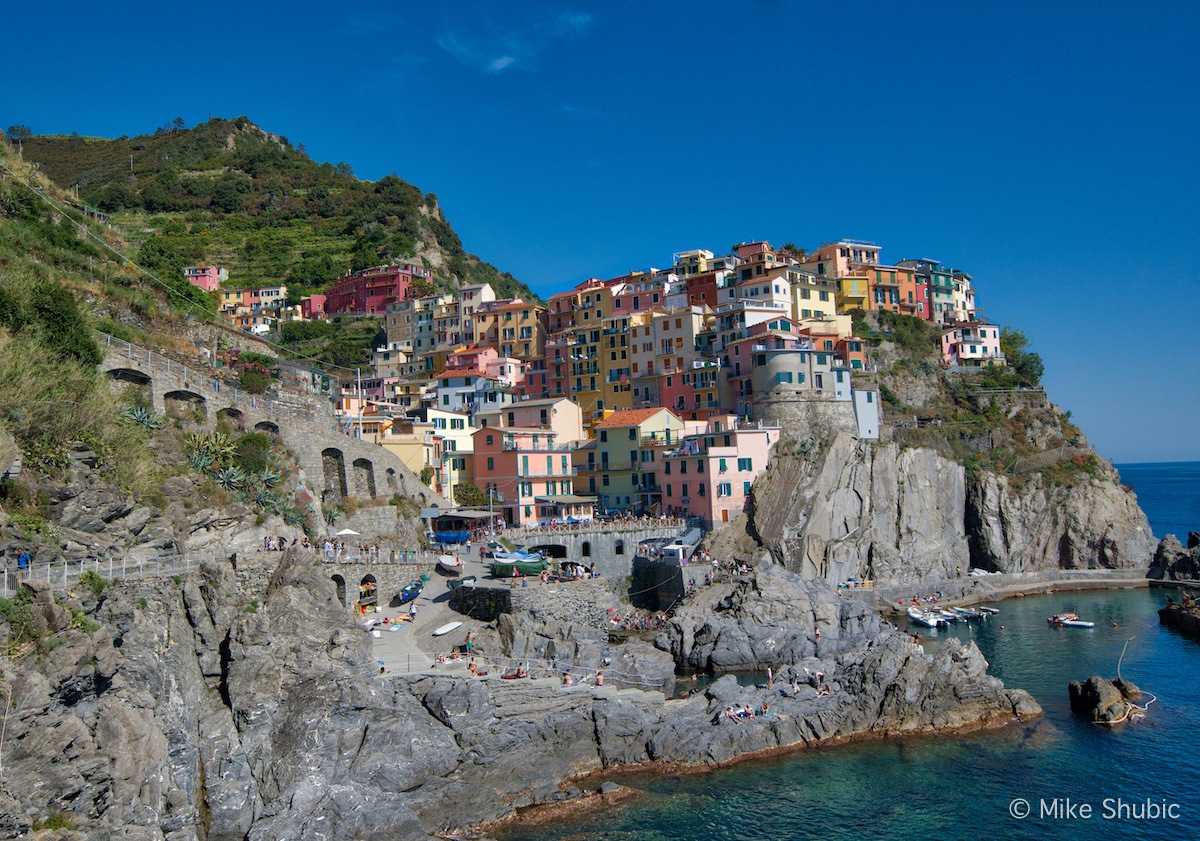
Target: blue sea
column 1079, row 780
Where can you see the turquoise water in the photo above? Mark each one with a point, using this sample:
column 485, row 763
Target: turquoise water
column 963, row 786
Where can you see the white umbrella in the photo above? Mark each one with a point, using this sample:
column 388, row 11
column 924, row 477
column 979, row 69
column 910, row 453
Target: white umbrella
column 345, row 532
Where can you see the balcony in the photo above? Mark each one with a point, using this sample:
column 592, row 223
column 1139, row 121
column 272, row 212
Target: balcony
column 666, row 440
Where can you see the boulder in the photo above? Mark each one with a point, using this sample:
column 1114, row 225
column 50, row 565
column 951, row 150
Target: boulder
column 1102, row 700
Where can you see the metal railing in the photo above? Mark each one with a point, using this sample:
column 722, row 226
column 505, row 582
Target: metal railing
column 63, row 574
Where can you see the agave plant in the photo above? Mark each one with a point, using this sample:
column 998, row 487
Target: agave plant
column 221, row 447
column 143, row 416
column 196, row 443
column 200, row 460
column 263, row 498
column 230, row 478
column 269, row 478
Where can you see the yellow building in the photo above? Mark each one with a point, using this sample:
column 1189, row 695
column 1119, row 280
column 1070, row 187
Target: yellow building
column 514, row 328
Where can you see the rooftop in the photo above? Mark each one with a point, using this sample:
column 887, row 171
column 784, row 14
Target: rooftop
column 630, row 417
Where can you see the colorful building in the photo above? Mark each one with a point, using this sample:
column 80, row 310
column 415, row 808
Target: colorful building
column 523, row 465
column 208, row 278
column 710, row 475
column 972, row 345
column 370, row 291
column 623, row 472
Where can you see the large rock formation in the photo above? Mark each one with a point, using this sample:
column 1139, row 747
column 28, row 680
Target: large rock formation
column 193, row 713
column 1175, row 563
column 906, row 515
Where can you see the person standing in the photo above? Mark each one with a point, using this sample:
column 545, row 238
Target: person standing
column 23, row 560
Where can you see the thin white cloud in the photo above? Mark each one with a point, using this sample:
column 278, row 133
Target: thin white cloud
column 491, row 47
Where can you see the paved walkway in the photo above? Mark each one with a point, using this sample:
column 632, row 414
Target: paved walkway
column 409, row 649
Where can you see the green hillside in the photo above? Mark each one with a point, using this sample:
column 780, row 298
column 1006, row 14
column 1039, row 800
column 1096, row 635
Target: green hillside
column 229, row 193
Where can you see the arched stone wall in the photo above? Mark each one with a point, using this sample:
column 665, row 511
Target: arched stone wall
column 333, row 463
column 182, row 403
column 236, row 417
column 364, row 478
column 340, row 583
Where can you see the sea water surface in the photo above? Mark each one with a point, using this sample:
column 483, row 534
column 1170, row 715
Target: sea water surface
column 971, row 786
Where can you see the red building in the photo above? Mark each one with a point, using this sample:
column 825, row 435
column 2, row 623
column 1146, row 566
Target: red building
column 312, row 306
column 369, row 291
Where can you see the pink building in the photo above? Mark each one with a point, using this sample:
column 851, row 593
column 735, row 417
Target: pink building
column 972, row 345
column 523, row 464
column 312, row 306
column 710, row 475
column 371, row 290
column 207, row 278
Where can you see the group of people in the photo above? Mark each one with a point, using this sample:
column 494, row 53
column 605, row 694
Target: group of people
column 738, row 714
column 277, row 543
column 637, row 620
column 569, row 680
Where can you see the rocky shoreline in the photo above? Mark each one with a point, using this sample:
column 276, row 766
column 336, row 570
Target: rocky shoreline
column 190, row 713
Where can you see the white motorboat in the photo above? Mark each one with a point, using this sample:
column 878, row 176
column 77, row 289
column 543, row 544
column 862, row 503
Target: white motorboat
column 923, row 617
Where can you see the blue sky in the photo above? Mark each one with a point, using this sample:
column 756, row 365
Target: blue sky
column 1050, row 149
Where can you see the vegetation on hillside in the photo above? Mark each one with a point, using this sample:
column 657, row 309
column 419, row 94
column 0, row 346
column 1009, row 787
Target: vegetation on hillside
column 955, row 414
column 227, row 192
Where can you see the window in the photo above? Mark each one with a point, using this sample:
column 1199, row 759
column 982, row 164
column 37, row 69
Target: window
column 489, row 439
column 603, row 436
column 604, row 480
column 870, row 397
column 684, row 490
column 745, row 464
column 700, row 466
column 524, row 465
column 550, row 465
column 783, row 377
column 491, row 463
column 724, row 489
column 700, row 491
column 633, row 434
column 746, row 488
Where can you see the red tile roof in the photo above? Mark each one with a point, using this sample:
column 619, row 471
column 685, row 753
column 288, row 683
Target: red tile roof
column 630, row 417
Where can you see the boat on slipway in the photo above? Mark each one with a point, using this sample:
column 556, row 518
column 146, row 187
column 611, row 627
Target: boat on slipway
column 508, row 567
column 450, row 563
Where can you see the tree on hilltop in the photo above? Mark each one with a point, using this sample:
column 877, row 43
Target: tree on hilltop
column 1027, row 364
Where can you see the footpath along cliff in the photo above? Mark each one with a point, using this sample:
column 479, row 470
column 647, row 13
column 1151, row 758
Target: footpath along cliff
column 183, row 712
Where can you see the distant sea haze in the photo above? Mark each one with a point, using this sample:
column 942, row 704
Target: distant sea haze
column 1169, row 493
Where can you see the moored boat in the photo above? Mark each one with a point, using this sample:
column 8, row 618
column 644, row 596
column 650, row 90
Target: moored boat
column 990, row 611
column 925, row 618
column 1070, row 619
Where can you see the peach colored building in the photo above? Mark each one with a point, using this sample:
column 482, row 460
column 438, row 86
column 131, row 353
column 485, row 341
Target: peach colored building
column 207, row 278
column 523, row 464
column 972, row 345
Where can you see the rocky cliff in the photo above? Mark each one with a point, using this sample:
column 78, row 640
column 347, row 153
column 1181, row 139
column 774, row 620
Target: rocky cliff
column 191, row 713
column 906, row 515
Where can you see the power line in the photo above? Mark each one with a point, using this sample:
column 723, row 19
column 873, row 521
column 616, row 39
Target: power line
column 147, row 273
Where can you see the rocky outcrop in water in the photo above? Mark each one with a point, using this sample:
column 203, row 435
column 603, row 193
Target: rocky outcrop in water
column 1175, row 563
column 1102, row 700
column 193, row 712
column 909, row 515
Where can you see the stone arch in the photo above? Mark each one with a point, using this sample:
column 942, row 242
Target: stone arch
column 236, row 417
column 549, row 550
column 267, row 426
column 333, row 465
column 182, row 403
column 340, row 583
column 587, row 549
column 620, row 547
column 392, row 482
column 368, row 591
column 364, row 478
column 130, row 375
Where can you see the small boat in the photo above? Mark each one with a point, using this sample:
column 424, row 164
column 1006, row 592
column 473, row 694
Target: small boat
column 945, row 613
column 465, row 581
column 450, row 563
column 411, row 590
column 447, row 628
column 925, row 618
column 969, row 614
column 1070, row 619
column 990, row 611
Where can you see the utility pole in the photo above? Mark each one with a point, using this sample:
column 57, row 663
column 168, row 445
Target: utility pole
column 358, row 371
